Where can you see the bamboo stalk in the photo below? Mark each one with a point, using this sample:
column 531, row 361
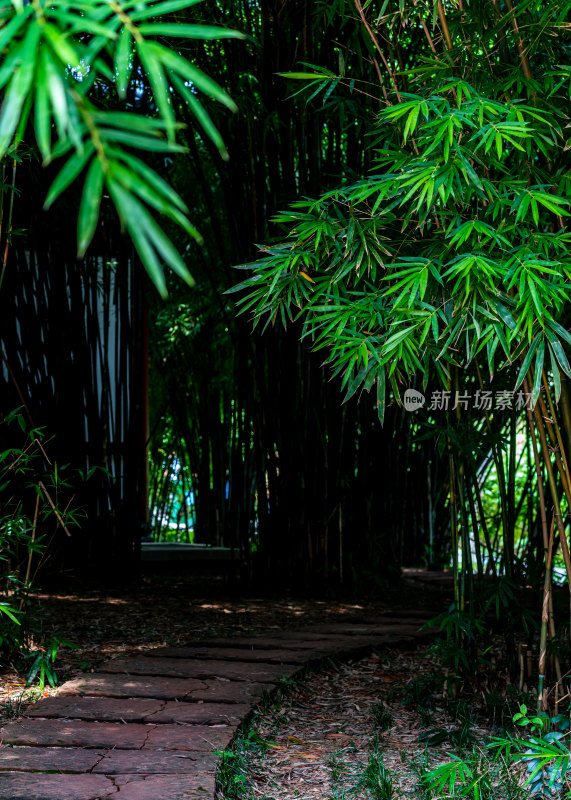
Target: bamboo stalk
column 474, row 517
column 554, row 494
column 30, row 550
column 500, row 472
column 541, row 693
column 554, row 434
column 444, row 25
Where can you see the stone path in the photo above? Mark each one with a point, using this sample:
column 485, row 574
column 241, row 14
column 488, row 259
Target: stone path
column 149, row 727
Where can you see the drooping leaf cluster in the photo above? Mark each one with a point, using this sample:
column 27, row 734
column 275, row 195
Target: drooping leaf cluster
column 455, row 246
column 75, row 74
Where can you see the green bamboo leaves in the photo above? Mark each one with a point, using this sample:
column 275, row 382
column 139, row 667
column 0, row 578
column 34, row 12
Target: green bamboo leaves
column 123, row 62
column 17, row 74
column 57, row 59
column 89, row 207
column 454, row 247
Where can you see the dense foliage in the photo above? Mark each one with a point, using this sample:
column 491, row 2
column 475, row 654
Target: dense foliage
column 85, row 88
column 75, row 73
column 253, row 421
column 446, row 266
column 433, row 256
column 455, row 245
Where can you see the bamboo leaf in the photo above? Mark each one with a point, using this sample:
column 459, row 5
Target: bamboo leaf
column 186, row 31
column 42, row 114
column 556, row 375
column 89, row 206
column 151, row 177
column 9, row 612
column 202, row 116
column 162, row 8
column 304, row 76
column 538, row 372
column 11, row 28
column 505, row 315
column 123, row 62
column 527, row 362
column 150, row 143
column 381, row 394
column 19, row 86
column 123, row 204
column 69, row 172
column 559, row 330
column 153, row 66
column 61, row 46
column 129, row 121
column 134, row 183
column 558, row 352
column 57, row 92
column 137, row 217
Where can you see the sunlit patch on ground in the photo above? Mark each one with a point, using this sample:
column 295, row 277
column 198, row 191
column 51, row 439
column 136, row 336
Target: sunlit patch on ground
column 164, row 612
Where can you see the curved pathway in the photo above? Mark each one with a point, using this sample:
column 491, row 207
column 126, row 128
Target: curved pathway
column 148, row 727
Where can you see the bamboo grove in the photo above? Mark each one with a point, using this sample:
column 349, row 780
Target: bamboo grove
column 403, row 168
column 278, row 468
column 446, row 267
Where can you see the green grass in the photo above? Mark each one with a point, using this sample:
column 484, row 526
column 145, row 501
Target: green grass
column 376, row 780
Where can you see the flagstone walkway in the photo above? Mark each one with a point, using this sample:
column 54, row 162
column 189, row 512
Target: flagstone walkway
column 148, row 727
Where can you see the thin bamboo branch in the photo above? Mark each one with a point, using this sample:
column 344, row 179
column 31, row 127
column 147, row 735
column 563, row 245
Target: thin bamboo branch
column 554, row 494
column 524, row 60
column 30, row 549
column 541, row 693
column 54, row 509
column 377, row 46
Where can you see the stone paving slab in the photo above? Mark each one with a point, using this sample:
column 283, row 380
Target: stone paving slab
column 322, row 643
column 171, row 762
column 30, row 786
column 105, row 709
column 295, row 650
column 49, row 759
column 216, row 691
column 189, row 737
column 225, row 691
column 351, row 629
column 110, row 709
column 133, row 736
column 119, row 686
column 200, row 668
column 205, row 713
column 169, row 787
column 253, row 653
column 417, row 616
column 260, row 643
column 75, row 733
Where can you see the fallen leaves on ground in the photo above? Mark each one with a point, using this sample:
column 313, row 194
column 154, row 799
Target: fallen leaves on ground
column 323, row 733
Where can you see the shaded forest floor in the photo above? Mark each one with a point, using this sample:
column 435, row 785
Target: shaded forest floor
column 173, row 609
column 343, row 731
